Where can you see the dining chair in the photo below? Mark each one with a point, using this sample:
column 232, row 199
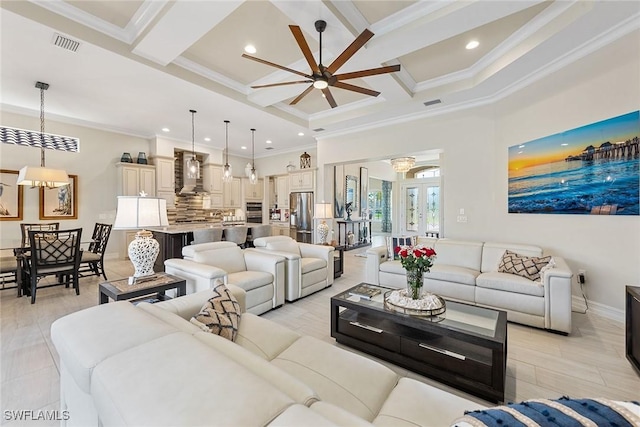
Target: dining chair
column 236, row 234
column 39, row 226
column 53, row 253
column 206, row 235
column 92, row 260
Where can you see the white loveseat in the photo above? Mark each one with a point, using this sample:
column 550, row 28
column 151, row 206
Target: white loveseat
column 147, row 365
column 468, row 271
column 261, row 275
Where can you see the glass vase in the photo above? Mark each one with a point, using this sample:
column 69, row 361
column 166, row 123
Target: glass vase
column 415, row 281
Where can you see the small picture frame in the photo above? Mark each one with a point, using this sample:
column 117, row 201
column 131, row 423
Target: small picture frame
column 11, row 196
column 61, row 202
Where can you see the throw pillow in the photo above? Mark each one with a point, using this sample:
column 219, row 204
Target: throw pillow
column 521, row 265
column 220, row 315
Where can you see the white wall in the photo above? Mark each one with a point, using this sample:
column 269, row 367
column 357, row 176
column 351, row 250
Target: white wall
column 474, row 166
column 277, row 164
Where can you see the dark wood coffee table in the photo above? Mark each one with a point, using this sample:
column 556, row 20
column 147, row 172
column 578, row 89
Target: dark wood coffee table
column 121, row 289
column 465, row 347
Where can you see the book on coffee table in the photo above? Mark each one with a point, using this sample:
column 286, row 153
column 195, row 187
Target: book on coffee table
column 365, row 291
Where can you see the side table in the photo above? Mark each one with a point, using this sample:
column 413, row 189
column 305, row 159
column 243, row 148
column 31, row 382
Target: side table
column 338, row 261
column 119, row 290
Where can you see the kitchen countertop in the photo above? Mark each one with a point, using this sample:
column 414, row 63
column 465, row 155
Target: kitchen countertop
column 187, row 227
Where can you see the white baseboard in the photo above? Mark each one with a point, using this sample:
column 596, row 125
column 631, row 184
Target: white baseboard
column 598, row 308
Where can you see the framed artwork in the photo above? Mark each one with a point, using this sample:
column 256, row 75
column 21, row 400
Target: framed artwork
column 61, row 202
column 590, row 170
column 10, row 196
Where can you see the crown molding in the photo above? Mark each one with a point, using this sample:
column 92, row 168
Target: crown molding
column 203, row 71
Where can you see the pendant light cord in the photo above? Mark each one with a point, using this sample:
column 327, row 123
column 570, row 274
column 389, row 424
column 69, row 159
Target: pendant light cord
column 42, row 126
column 193, row 134
column 253, row 149
column 226, row 144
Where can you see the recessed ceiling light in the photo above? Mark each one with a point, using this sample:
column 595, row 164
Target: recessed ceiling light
column 207, row 139
column 250, row 48
column 564, row 144
column 300, row 133
column 243, row 148
column 472, row 44
column 268, row 141
column 166, row 130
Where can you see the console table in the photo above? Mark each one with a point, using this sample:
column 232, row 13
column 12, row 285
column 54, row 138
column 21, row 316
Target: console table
column 632, row 322
column 361, row 229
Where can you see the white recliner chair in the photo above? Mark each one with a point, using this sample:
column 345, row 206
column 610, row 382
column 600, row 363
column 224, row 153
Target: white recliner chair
column 309, row 268
column 261, row 275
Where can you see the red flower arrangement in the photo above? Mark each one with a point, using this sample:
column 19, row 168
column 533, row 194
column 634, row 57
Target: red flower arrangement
column 416, row 257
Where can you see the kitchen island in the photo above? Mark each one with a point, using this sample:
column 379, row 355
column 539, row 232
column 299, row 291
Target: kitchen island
column 174, row 237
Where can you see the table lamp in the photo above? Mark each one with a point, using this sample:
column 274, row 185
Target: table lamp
column 135, row 213
column 323, row 212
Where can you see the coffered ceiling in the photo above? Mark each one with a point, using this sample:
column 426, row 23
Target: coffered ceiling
column 142, row 64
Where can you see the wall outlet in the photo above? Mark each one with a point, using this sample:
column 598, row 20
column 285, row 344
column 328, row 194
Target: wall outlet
column 582, row 276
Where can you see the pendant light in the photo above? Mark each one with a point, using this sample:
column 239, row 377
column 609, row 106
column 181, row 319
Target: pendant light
column 253, row 178
column 42, row 176
column 227, row 174
column 193, row 165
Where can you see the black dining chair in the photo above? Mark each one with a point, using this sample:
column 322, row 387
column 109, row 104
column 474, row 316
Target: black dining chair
column 38, row 226
column 92, row 260
column 54, row 253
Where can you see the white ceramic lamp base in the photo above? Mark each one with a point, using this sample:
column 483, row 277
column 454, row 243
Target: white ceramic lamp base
column 323, row 232
column 143, row 252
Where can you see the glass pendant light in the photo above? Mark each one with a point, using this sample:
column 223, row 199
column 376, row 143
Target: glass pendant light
column 227, row 174
column 193, row 165
column 253, row 178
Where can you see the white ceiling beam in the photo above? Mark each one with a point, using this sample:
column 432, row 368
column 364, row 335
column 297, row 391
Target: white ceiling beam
column 183, row 25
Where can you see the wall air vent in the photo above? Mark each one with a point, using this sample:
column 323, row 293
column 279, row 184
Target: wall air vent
column 65, row 42
column 318, row 130
column 268, row 148
column 432, row 102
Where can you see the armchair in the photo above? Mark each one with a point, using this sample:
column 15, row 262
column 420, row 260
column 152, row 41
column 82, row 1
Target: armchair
column 309, row 268
column 261, row 275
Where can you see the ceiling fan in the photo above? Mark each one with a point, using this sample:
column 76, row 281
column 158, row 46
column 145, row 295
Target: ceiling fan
column 322, row 77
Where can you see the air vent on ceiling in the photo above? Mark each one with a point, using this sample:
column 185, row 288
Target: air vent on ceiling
column 65, row 42
column 268, row 148
column 432, row 102
column 318, row 130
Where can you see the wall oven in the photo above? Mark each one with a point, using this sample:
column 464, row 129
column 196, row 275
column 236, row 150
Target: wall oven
column 254, row 212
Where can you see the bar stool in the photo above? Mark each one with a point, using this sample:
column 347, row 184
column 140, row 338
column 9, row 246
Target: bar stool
column 258, row 231
column 206, row 235
column 236, row 234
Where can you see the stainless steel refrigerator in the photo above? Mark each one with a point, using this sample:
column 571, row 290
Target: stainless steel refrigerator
column 301, row 217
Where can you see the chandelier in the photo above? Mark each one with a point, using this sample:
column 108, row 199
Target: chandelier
column 403, row 164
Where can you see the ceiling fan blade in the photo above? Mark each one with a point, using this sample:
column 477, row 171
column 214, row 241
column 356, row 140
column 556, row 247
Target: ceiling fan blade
column 358, row 89
column 304, row 47
column 281, row 84
column 262, row 61
column 370, row 72
column 302, row 95
column 349, row 51
column 329, row 96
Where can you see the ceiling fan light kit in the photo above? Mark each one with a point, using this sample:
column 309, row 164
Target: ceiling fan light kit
column 322, row 77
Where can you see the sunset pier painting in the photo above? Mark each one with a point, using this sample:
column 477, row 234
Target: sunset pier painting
column 590, row 170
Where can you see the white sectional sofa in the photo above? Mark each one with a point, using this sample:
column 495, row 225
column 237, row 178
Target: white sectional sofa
column 147, row 365
column 468, row 271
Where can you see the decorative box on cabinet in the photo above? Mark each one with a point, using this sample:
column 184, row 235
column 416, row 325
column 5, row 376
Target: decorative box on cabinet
column 303, row 180
column 253, row 192
column 233, row 194
column 134, row 178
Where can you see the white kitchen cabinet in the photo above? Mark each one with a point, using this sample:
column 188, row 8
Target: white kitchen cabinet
column 282, row 191
column 303, row 180
column 165, row 174
column 233, row 194
column 212, row 179
column 280, row 230
column 253, row 192
column 134, row 178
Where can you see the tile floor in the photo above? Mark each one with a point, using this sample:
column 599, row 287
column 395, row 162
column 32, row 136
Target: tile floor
column 588, row 362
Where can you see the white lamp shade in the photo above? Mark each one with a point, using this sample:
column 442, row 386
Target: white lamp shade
column 37, row 176
column 140, row 212
column 324, row 211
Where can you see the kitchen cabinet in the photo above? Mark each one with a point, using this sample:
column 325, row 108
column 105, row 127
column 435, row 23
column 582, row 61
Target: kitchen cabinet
column 233, row 194
column 253, row 192
column 282, row 191
column 134, row 178
column 303, row 180
column 280, row 230
column 165, row 174
column 212, row 179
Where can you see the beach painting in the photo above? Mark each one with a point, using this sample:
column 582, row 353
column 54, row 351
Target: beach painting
column 590, row 170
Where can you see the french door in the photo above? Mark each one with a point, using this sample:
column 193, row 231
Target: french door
column 420, row 207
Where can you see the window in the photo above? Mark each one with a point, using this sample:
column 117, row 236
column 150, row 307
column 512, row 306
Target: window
column 428, row 173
